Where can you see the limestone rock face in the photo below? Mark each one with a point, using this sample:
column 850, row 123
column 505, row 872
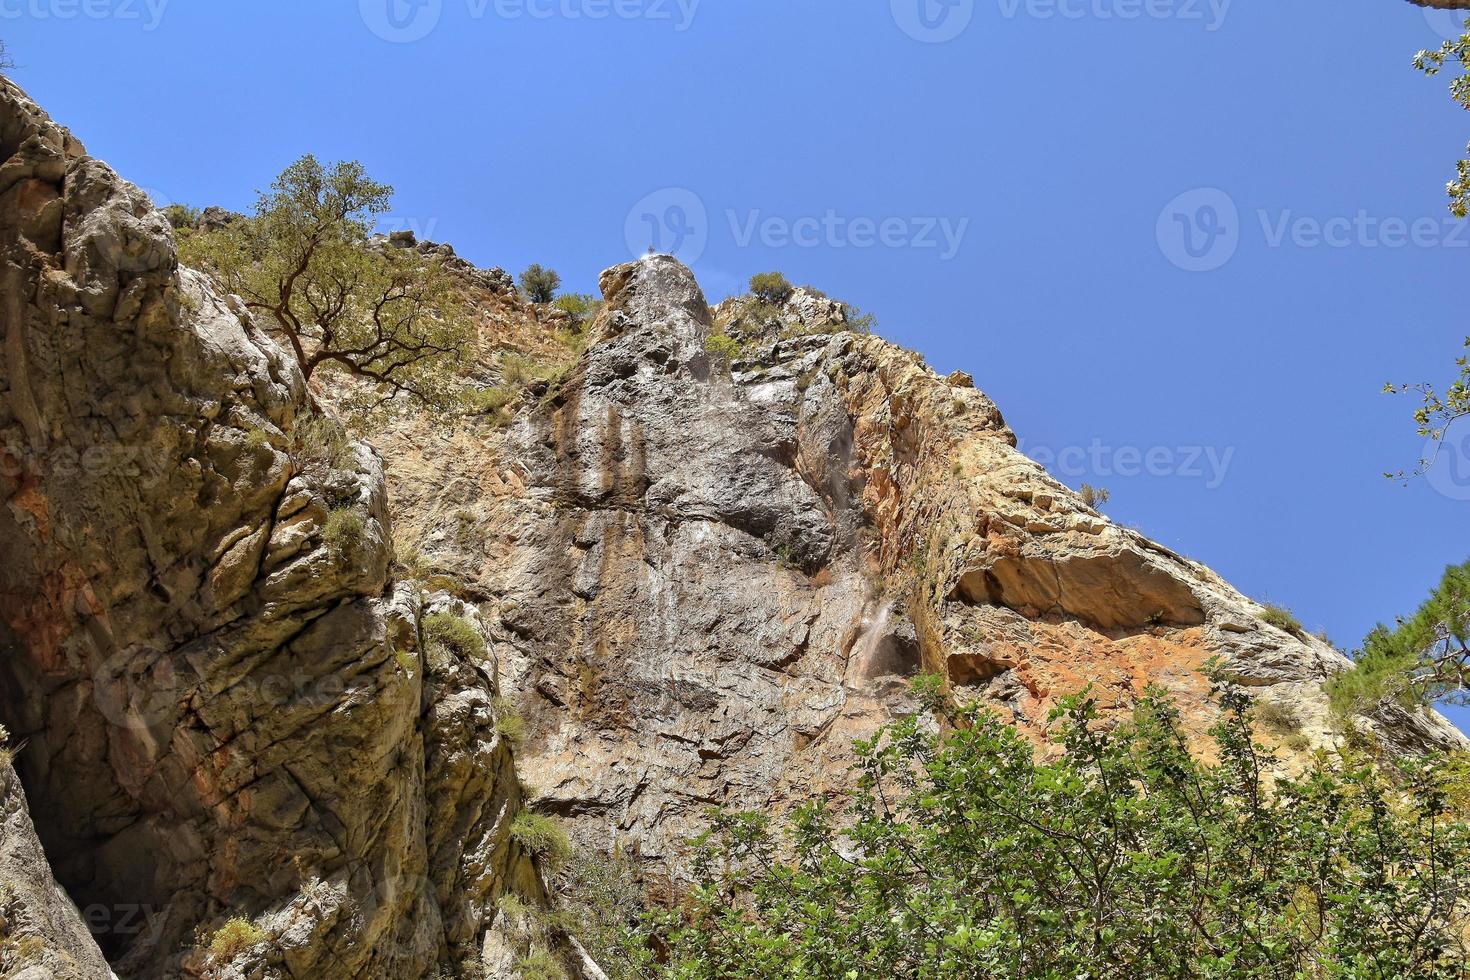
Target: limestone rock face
column 226, row 709
column 722, row 574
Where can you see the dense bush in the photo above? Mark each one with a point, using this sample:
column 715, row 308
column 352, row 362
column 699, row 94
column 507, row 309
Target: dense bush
column 233, row 938
column 771, row 287
column 343, row 532
column 722, row 348
column 1121, row 855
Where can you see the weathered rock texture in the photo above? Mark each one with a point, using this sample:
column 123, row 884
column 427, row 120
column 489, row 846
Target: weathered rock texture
column 226, row 714
column 720, row 575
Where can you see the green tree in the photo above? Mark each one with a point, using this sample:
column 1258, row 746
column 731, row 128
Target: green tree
column 302, row 260
column 1420, row 660
column 771, row 288
column 1120, row 854
column 540, row 284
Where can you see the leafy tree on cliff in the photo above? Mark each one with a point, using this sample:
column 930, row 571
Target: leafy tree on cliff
column 389, row 316
column 1421, row 660
column 1119, row 855
column 540, row 284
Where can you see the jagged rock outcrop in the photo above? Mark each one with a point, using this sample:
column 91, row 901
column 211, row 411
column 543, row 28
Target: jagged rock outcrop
column 225, row 699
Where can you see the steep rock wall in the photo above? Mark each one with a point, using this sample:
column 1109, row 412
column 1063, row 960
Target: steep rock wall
column 722, row 575
column 225, row 713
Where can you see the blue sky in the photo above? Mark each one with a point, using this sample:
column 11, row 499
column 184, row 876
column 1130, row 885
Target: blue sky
column 1007, row 184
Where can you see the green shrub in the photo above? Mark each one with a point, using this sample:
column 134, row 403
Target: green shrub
column 233, row 938
column 454, row 633
column 344, row 530
column 488, row 401
column 542, row 836
column 603, row 904
column 860, row 322
column 256, row 439
column 1281, row 618
column 722, row 348
column 540, row 284
column 771, row 288
column 582, row 306
column 509, row 724
column 540, row 965
column 181, row 216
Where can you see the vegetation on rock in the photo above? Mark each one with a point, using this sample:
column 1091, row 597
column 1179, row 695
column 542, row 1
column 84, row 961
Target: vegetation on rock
column 389, row 316
column 233, row 938
column 454, row 633
column 542, row 836
column 967, row 855
column 771, row 288
column 540, row 284
column 1282, row 618
column 1421, row 660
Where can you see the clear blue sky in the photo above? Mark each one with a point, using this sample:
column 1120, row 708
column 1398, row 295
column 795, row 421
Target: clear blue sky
column 1052, row 133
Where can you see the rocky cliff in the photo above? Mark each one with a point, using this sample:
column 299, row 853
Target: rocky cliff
column 695, row 577
column 227, row 707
